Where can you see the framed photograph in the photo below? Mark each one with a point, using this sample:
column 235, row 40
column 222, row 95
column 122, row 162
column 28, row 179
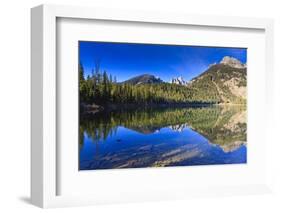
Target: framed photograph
column 161, row 105
column 129, row 106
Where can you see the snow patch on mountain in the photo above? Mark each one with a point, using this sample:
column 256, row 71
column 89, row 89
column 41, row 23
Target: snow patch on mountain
column 179, row 80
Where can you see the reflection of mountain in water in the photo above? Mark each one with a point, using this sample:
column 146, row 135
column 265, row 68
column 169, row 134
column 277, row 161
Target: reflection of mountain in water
column 178, row 127
column 227, row 129
column 222, row 126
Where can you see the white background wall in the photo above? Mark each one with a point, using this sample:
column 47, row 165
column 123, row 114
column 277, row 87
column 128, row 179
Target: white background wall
column 15, row 104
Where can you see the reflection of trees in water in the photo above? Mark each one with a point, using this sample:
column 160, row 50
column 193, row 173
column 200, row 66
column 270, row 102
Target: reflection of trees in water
column 225, row 126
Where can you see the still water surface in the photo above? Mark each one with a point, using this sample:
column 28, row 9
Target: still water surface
column 163, row 137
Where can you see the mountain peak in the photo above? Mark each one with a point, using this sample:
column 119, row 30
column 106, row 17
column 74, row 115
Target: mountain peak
column 179, row 80
column 144, row 79
column 232, row 62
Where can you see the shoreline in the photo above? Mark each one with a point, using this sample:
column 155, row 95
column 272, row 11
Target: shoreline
column 90, row 109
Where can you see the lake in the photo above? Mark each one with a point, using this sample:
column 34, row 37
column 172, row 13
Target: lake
column 162, row 137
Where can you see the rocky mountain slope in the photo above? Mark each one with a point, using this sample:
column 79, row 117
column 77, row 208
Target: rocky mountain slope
column 225, row 82
column 232, row 62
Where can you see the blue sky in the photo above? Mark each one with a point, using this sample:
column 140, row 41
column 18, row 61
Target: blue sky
column 127, row 60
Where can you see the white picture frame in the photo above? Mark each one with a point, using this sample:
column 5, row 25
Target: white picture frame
column 44, row 155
